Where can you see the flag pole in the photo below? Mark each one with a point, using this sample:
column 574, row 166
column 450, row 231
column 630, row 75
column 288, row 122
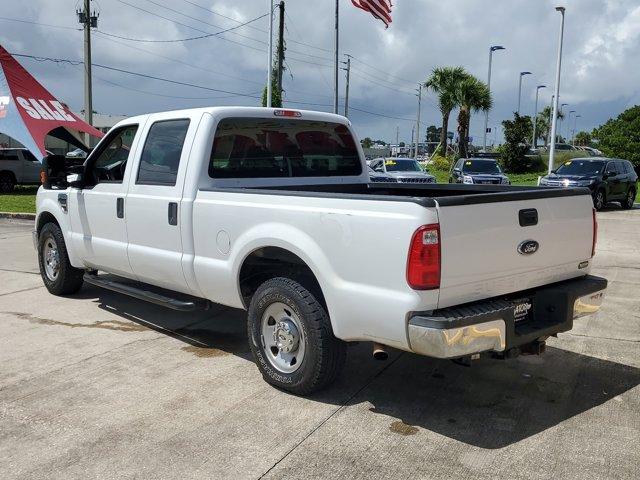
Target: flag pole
column 336, row 64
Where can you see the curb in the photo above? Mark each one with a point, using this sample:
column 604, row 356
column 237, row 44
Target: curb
column 18, row 216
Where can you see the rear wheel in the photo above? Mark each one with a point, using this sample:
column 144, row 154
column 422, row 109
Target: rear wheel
column 6, row 182
column 627, row 203
column 291, row 338
column 58, row 275
column 599, row 199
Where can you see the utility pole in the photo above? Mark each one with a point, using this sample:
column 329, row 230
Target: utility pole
column 418, row 120
column 535, row 116
column 346, row 92
column 281, row 49
column 397, row 139
column 88, row 20
column 522, row 74
column 270, row 59
column 336, row 60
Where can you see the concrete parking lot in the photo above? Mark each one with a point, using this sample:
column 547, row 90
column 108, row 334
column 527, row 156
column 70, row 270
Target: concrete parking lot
column 98, row 385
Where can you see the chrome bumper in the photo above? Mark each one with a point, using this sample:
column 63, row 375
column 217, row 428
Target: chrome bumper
column 490, row 325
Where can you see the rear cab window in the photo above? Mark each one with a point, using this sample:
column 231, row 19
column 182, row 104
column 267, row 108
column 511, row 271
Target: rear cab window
column 282, row 148
column 160, row 158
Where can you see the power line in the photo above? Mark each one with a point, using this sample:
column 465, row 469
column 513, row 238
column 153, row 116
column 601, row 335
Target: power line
column 181, row 62
column 412, row 82
column 40, row 24
column 188, row 26
column 199, row 37
column 138, row 74
column 395, row 89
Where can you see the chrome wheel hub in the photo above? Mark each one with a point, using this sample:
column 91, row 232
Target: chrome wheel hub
column 282, row 337
column 51, row 258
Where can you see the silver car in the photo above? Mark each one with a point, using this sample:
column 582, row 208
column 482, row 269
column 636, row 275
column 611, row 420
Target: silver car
column 403, row 170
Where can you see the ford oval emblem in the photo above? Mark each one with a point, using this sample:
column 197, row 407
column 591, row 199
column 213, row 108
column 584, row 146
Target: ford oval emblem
column 528, row 247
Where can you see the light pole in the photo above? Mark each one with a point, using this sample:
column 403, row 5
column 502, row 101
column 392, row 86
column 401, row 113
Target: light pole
column 492, row 49
column 522, row 74
column 573, row 136
column 535, row 115
column 569, row 125
column 554, row 120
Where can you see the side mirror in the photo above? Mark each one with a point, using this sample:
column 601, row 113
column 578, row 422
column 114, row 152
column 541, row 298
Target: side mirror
column 74, row 180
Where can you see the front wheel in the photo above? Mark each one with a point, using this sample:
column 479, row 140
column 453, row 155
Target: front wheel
column 599, row 199
column 627, row 203
column 58, row 275
column 291, row 338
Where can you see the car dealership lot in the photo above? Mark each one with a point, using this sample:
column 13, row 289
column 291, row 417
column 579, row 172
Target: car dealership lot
column 102, row 386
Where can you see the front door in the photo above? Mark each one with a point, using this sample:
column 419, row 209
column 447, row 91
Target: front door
column 99, row 233
column 154, row 215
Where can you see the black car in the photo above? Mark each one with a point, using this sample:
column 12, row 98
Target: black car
column 478, row 171
column 610, row 180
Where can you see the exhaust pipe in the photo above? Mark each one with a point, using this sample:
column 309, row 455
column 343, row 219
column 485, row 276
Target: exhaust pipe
column 380, row 352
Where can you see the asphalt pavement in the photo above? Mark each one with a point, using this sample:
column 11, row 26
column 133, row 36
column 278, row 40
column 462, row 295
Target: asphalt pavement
column 98, row 385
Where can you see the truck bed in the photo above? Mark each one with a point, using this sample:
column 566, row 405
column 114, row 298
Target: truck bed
column 427, row 195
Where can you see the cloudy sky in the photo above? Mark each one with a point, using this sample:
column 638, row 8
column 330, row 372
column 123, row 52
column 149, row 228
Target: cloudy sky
column 600, row 77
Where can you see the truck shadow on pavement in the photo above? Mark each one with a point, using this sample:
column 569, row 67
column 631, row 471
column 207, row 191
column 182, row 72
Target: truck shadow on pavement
column 491, row 405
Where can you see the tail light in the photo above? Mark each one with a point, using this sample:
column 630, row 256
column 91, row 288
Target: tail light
column 423, row 264
column 595, row 234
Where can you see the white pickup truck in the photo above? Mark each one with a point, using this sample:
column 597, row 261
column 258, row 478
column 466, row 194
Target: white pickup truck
column 271, row 210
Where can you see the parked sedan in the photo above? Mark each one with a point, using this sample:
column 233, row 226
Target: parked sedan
column 610, row 180
column 478, row 171
column 402, row 170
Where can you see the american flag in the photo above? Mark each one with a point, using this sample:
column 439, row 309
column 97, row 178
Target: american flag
column 381, row 9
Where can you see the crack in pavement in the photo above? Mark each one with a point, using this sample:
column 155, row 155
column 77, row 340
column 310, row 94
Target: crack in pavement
column 20, row 291
column 18, row 271
column 631, row 340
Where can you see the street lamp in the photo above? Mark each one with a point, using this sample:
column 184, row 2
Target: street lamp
column 554, row 120
column 492, row 49
column 573, row 136
column 535, row 115
column 569, row 124
column 522, row 74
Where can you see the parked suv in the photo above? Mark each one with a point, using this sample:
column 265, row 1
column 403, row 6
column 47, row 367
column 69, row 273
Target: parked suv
column 478, row 171
column 18, row 166
column 402, row 170
column 610, row 180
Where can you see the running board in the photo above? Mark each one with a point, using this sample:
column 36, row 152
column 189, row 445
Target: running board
column 190, row 305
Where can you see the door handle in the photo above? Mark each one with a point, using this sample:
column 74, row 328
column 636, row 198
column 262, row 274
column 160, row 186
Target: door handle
column 120, row 207
column 63, row 202
column 173, row 213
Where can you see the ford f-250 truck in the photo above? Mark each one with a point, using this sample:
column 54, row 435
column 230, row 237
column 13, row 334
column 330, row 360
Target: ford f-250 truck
column 271, row 210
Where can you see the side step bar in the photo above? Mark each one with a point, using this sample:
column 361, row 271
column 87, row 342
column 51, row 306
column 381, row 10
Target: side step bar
column 190, row 305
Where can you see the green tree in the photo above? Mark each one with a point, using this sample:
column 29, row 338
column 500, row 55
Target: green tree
column 543, row 124
column 433, row 133
column 583, row 139
column 517, row 133
column 443, row 82
column 620, row 137
column 276, row 95
column 366, row 142
column 471, row 95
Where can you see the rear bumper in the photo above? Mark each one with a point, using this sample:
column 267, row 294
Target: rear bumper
column 490, row 325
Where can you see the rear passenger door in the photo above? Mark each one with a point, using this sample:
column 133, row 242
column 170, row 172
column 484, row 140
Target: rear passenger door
column 614, row 179
column 153, row 212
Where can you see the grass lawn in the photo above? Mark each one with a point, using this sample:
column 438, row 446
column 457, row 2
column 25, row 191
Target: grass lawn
column 22, row 200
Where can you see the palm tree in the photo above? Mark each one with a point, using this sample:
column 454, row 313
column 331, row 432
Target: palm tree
column 443, row 82
column 471, row 95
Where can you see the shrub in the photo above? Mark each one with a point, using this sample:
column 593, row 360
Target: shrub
column 441, row 163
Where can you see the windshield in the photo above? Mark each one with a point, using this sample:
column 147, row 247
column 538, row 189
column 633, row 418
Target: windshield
column 402, row 165
column 580, row 167
column 480, row 166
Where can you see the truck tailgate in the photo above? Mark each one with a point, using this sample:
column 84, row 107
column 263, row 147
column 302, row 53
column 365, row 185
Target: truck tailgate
column 480, row 246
